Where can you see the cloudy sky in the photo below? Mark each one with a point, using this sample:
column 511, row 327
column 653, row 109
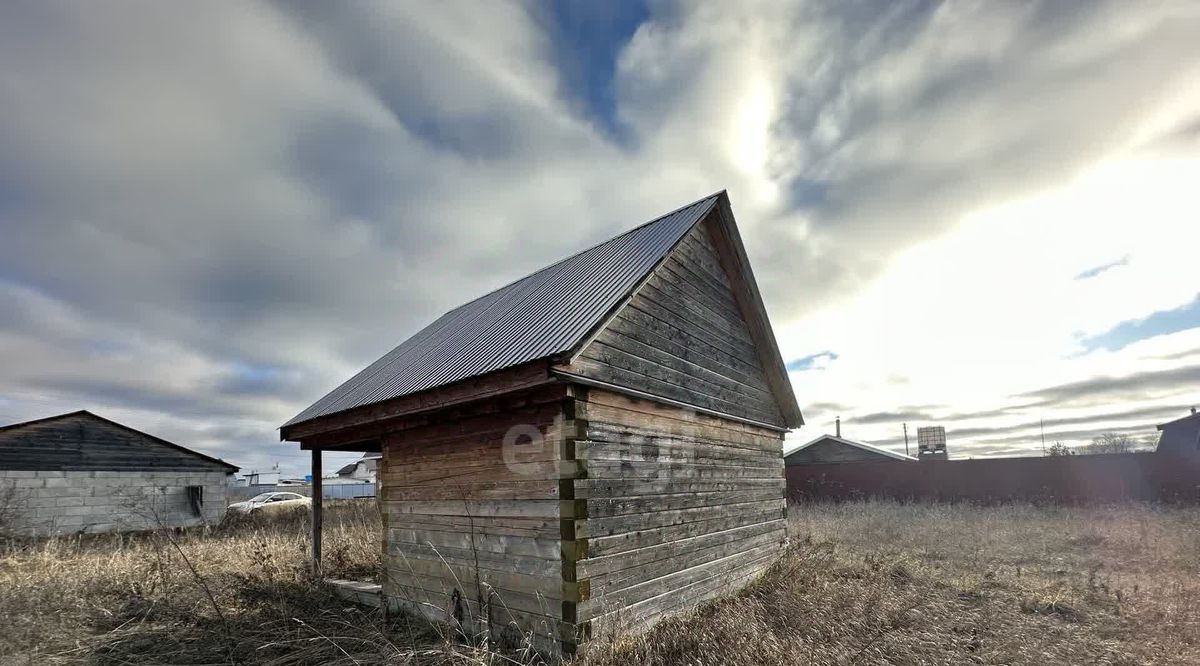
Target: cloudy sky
column 982, row 215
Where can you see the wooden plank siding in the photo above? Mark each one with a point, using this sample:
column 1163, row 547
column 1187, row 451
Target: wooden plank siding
column 680, row 507
column 682, row 336
column 472, row 526
column 631, row 509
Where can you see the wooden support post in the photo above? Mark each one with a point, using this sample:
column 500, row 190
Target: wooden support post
column 316, row 513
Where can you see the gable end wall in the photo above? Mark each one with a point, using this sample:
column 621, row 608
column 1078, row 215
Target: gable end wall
column 683, row 337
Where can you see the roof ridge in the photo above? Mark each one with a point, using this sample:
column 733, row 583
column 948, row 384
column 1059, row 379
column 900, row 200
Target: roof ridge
column 43, row 419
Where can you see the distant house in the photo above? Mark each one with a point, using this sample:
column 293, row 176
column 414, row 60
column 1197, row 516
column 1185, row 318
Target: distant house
column 834, row 449
column 360, row 471
column 270, row 478
column 1181, row 436
column 79, row 472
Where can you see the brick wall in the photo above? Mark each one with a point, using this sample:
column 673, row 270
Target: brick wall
column 47, row 503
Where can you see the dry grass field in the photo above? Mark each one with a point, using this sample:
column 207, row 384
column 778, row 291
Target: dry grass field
column 864, row 583
column 884, row 583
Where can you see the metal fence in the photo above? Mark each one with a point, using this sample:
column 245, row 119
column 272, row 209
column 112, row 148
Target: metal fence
column 331, row 491
column 1062, row 479
column 347, row 490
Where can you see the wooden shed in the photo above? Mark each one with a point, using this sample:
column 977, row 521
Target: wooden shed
column 584, row 450
column 79, row 472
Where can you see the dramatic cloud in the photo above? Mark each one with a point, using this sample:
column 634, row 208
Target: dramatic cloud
column 213, row 213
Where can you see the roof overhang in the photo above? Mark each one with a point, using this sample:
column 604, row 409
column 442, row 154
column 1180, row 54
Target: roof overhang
column 359, row 429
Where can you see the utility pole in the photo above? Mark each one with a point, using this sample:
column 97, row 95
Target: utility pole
column 1042, row 426
column 905, row 439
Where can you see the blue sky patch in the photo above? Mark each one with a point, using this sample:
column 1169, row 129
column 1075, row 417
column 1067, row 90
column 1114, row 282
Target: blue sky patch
column 808, row 362
column 809, row 194
column 1159, row 323
column 588, row 38
column 249, row 378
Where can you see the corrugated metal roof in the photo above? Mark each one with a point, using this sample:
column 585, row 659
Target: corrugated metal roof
column 541, row 315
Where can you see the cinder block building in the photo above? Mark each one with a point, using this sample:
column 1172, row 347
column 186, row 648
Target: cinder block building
column 80, row 473
column 585, row 450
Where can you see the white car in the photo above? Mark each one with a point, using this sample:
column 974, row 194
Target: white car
column 270, row 501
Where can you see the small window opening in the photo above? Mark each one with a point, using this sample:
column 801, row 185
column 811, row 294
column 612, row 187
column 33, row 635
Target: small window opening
column 195, row 495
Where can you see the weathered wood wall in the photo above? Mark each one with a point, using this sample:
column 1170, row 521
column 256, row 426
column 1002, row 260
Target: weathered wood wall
column 830, row 451
column 628, row 510
column 472, row 531
column 683, row 337
column 680, row 506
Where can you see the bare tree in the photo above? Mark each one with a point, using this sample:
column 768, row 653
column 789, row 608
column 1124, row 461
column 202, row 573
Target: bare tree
column 1111, row 442
column 1059, row 450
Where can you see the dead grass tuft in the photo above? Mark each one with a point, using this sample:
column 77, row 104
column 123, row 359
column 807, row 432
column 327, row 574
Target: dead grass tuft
column 131, row 599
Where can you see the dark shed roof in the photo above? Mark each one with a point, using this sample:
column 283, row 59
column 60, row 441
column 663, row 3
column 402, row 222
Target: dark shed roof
column 83, row 441
column 370, row 463
column 539, row 316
